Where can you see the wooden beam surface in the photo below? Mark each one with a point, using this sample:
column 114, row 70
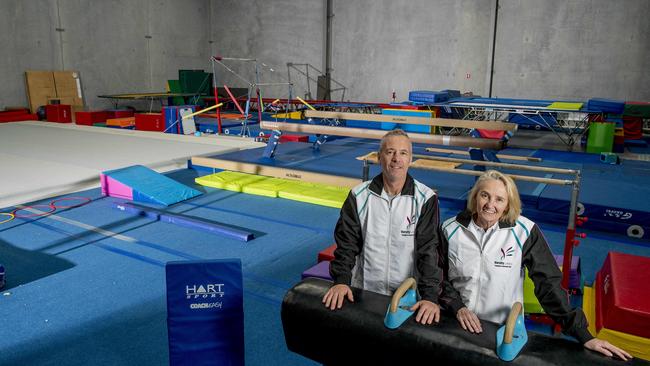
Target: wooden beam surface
column 442, row 122
column 378, row 134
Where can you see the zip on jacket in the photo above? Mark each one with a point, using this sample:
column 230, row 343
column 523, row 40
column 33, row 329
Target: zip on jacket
column 502, row 260
column 382, row 242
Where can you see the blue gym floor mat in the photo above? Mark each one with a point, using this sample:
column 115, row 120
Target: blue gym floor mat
column 104, row 285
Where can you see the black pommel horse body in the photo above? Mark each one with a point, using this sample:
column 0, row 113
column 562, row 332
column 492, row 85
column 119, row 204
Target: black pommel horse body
column 356, row 335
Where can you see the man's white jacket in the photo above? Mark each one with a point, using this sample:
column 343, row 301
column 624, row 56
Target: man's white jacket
column 488, row 278
column 381, row 242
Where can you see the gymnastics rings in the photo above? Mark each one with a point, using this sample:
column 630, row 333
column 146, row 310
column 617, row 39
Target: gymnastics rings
column 11, row 217
column 84, row 199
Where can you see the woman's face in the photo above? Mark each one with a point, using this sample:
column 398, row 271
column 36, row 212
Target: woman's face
column 491, row 202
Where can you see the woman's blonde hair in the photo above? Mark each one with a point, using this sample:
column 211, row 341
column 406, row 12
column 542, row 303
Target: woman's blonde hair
column 513, row 210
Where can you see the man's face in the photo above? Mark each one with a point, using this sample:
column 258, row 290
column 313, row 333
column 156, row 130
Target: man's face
column 395, row 158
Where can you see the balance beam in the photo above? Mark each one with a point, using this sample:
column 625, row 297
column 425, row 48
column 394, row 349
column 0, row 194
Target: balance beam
column 442, row 122
column 277, row 172
column 378, row 134
column 356, row 335
column 185, row 220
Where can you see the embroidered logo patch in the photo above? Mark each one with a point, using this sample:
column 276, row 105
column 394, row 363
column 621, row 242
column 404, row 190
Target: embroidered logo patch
column 505, row 261
column 410, row 226
column 507, row 252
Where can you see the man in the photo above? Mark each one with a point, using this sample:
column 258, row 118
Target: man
column 387, row 232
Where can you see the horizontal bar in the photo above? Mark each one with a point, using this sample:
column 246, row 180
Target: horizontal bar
column 272, row 84
column 442, row 122
column 526, row 178
column 219, row 58
column 500, row 165
column 378, row 134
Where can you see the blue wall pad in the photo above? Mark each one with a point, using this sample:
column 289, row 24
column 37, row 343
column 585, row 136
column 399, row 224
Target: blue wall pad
column 427, row 96
column 152, row 187
column 205, row 312
column 172, row 118
column 606, row 105
column 453, row 93
column 405, row 126
column 184, row 220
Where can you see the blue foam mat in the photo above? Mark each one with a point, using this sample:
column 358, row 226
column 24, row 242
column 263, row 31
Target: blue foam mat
column 151, row 186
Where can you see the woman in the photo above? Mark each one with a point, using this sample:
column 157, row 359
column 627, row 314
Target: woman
column 484, row 251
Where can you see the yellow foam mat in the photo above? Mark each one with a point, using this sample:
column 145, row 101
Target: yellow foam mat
column 269, row 187
column 319, row 194
column 232, row 181
column 635, row 345
column 566, row 106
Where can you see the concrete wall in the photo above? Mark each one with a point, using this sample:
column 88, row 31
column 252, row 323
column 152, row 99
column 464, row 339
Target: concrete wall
column 274, row 32
column 383, row 45
column 573, row 49
column 552, row 49
column 107, row 42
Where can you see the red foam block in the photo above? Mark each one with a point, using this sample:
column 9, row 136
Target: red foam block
column 327, row 254
column 149, row 122
column 291, row 138
column 623, row 294
column 61, row 113
column 87, row 118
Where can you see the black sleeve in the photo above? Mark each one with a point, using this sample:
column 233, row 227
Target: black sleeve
column 546, row 276
column 349, row 241
column 427, row 270
column 450, row 298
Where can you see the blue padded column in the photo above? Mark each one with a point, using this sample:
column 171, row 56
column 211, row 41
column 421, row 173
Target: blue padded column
column 274, row 140
column 205, row 313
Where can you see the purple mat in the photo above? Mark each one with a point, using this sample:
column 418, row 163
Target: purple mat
column 575, row 275
column 320, row 270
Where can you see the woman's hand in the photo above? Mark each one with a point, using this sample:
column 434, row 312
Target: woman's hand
column 468, row 320
column 428, row 312
column 606, row 348
column 333, row 298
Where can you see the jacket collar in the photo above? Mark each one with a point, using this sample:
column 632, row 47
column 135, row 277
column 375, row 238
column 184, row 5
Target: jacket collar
column 377, row 185
column 465, row 217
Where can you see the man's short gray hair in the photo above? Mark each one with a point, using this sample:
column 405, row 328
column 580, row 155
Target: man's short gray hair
column 395, row 132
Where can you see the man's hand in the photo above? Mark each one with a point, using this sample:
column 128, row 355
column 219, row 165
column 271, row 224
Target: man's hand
column 428, row 312
column 333, row 298
column 468, row 320
column 606, row 348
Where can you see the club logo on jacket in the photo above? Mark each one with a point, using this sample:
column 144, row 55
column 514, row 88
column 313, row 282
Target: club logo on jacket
column 410, row 226
column 505, row 257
